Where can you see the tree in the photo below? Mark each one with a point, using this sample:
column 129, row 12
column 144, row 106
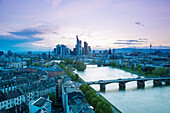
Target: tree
column 68, row 61
column 94, row 102
column 148, row 70
column 138, row 66
column 29, row 62
column 52, row 63
column 113, row 64
column 80, row 66
column 132, row 66
column 36, row 64
column 160, row 71
column 52, row 97
column 139, row 70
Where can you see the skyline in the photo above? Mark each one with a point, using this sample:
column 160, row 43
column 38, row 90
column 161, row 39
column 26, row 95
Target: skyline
column 41, row 25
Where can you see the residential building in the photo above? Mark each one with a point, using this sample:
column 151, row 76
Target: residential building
column 73, row 99
column 41, row 105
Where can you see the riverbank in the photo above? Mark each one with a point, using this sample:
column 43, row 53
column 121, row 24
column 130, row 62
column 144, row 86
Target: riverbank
column 141, row 73
column 135, row 72
column 114, row 109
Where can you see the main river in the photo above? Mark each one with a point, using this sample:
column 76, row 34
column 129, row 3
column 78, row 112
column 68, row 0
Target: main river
column 132, row 100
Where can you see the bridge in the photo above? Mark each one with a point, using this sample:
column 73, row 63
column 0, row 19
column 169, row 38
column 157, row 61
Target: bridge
column 157, row 81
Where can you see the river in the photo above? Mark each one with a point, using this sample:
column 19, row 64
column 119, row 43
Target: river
column 133, row 100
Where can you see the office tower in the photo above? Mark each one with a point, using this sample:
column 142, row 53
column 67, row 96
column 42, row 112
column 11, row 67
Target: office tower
column 29, row 53
column 110, row 51
column 68, row 51
column 63, row 50
column 150, row 48
column 94, row 52
column 44, row 55
column 1, row 53
column 58, row 50
column 113, row 51
column 86, row 52
column 89, row 52
column 78, row 46
column 54, row 51
column 10, row 53
column 49, row 56
column 74, row 51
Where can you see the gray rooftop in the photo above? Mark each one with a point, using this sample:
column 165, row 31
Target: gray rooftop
column 42, row 102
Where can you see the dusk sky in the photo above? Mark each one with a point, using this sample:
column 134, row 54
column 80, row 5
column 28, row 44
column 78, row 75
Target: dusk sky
column 39, row 25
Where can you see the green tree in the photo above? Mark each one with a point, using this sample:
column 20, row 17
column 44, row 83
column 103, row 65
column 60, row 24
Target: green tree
column 68, row 61
column 148, row 69
column 29, row 62
column 138, row 66
column 132, row 66
column 36, row 64
column 94, row 102
column 80, row 66
column 52, row 97
column 139, row 70
column 52, row 63
column 113, row 64
column 160, row 71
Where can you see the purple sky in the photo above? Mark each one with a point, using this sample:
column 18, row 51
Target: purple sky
column 41, row 24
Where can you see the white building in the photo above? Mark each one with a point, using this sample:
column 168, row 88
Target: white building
column 10, row 99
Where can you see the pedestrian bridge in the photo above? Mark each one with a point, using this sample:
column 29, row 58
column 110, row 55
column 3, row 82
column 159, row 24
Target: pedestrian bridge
column 157, row 81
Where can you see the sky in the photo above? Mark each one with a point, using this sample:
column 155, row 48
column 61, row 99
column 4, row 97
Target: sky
column 39, row 25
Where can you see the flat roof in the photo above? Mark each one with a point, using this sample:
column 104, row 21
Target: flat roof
column 42, row 102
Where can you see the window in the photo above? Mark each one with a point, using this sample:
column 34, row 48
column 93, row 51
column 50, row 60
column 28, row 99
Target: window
column 1, row 104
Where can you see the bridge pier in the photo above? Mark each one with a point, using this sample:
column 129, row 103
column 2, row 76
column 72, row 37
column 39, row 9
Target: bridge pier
column 157, row 82
column 102, row 87
column 122, row 85
column 141, row 84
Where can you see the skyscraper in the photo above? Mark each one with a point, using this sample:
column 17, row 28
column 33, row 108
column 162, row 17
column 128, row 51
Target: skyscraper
column 58, row 50
column 86, row 48
column 89, row 50
column 54, row 51
column 10, row 53
column 110, row 51
column 78, row 47
column 62, row 50
column 150, row 48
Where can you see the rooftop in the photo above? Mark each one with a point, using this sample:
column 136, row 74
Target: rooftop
column 12, row 94
column 42, row 102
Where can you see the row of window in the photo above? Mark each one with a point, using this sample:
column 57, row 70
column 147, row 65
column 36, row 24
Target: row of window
column 10, row 104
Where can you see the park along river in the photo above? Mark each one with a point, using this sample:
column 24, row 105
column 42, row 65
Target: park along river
column 132, row 100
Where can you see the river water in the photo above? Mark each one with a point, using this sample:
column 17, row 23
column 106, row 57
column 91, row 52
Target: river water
column 133, row 100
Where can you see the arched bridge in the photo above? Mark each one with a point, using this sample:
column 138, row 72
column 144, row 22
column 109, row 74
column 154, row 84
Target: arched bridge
column 157, row 81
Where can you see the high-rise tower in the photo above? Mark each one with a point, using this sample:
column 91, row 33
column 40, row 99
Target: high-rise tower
column 150, row 48
column 78, row 46
column 86, row 48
